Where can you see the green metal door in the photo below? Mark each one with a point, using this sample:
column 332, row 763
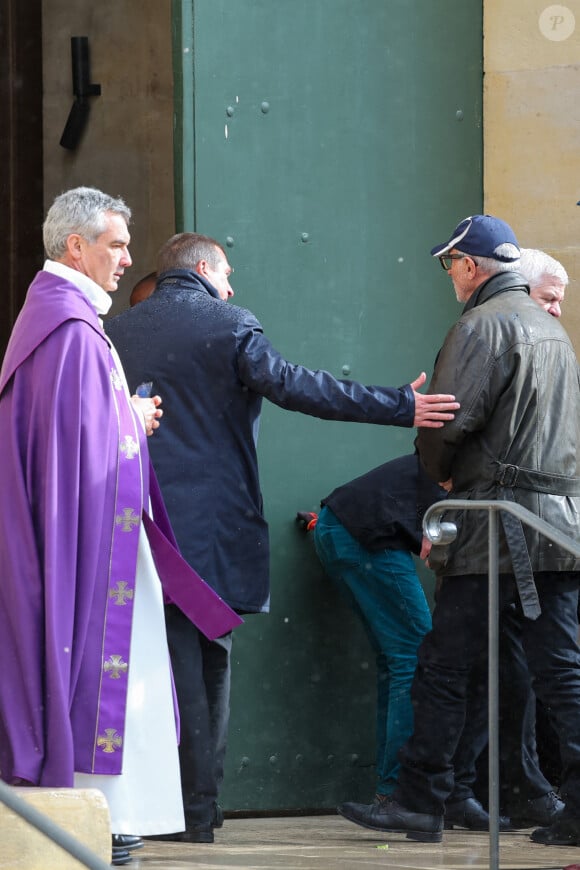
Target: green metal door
column 329, row 144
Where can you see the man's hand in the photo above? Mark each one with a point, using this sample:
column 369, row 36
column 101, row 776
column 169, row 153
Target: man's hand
column 431, row 412
column 307, row 519
column 150, row 410
column 425, row 550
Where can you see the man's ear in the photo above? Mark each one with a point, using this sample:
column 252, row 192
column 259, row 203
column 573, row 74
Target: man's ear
column 471, row 267
column 74, row 246
column 201, row 268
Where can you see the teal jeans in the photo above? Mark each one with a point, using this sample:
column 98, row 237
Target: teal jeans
column 385, row 591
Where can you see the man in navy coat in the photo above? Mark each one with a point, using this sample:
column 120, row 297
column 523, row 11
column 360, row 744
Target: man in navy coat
column 213, row 365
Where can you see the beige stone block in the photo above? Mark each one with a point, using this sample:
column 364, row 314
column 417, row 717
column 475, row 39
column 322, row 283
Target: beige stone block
column 127, row 146
column 531, row 147
column 81, row 812
column 514, row 39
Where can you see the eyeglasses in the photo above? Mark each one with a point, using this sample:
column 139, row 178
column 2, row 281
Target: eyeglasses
column 445, row 260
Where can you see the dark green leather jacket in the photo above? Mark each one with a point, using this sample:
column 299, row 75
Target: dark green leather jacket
column 517, row 434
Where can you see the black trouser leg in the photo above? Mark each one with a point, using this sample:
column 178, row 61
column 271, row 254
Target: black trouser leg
column 554, row 660
column 201, row 670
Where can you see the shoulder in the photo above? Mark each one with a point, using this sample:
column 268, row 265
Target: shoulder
column 239, row 321
column 245, row 317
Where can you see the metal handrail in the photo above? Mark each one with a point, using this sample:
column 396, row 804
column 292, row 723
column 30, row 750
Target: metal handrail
column 439, row 532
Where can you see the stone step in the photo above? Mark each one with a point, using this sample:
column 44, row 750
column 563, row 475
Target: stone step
column 81, row 812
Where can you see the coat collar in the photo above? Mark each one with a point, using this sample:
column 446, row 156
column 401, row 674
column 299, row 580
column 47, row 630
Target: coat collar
column 501, row 282
column 186, row 279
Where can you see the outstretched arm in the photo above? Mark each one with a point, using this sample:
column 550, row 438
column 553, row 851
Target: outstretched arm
column 431, row 412
column 319, row 393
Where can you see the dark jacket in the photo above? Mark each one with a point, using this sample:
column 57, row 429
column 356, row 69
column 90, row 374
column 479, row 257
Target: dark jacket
column 517, row 435
column 211, row 363
column 384, row 508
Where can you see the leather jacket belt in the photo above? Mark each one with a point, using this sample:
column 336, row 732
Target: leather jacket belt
column 507, row 477
column 538, row 481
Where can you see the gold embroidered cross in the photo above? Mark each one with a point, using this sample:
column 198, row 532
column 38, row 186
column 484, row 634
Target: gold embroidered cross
column 129, row 447
column 127, row 520
column 116, row 666
column 116, row 379
column 111, row 740
column 121, row 593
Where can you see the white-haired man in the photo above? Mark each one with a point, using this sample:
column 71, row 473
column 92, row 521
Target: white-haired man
column 546, row 277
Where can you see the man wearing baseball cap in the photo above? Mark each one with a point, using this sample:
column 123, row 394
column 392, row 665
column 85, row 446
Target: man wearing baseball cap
column 516, row 437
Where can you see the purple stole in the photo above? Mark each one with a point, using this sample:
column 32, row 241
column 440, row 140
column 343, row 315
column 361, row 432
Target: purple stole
column 181, row 584
column 130, row 494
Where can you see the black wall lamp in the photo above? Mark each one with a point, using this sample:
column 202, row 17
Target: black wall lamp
column 82, row 90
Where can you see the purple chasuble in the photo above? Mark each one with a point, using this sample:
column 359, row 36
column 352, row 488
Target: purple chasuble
column 70, row 510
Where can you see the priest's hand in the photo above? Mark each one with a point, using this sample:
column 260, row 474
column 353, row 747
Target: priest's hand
column 150, row 411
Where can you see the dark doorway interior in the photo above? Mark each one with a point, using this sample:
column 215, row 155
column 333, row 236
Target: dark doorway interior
column 21, row 184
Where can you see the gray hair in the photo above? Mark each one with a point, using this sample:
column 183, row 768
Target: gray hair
column 536, row 266
column 491, row 265
column 82, row 210
column 185, row 250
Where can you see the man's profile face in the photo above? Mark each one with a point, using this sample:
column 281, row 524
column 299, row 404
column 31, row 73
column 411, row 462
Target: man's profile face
column 219, row 276
column 106, row 259
column 549, row 295
column 458, row 274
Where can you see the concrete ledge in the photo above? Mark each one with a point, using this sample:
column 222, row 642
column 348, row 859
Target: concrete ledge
column 82, row 812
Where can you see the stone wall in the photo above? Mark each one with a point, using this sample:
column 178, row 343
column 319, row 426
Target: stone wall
column 532, row 129
column 127, row 146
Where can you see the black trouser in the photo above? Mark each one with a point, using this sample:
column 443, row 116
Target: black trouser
column 202, row 671
column 445, row 661
column 521, row 778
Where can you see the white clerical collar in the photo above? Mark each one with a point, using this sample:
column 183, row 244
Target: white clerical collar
column 99, row 299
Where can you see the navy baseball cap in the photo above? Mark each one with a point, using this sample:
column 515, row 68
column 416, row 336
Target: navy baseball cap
column 483, row 236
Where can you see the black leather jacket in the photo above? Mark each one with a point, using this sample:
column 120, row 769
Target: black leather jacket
column 517, row 435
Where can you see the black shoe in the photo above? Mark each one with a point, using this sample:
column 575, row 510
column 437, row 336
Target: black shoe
column 543, row 810
column 193, row 834
column 218, row 816
column 388, row 815
column 198, row 834
column 120, row 857
column 564, row 832
column 127, row 841
column 470, row 814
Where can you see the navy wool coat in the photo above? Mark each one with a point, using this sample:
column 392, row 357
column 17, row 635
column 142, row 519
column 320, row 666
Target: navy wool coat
column 211, row 364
